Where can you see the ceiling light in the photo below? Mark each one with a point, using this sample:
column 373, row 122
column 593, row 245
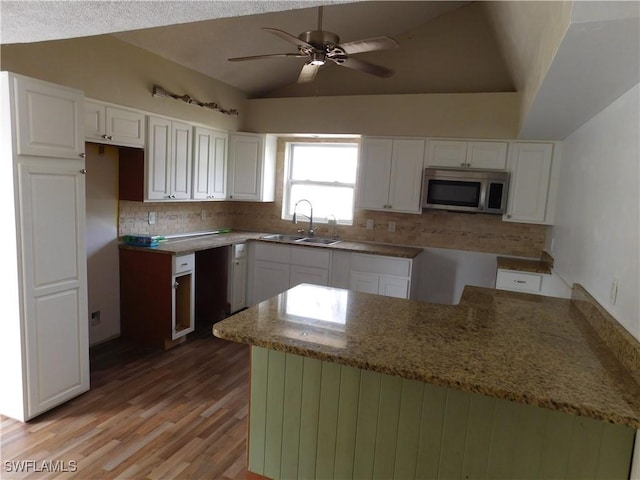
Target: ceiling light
column 317, row 58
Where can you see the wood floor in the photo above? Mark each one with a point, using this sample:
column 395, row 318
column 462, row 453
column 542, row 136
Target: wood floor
column 149, row 415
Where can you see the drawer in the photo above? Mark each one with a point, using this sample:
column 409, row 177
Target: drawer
column 398, row 267
column 310, row 257
column 240, row 250
column 184, row 263
column 518, row 281
column 272, row 253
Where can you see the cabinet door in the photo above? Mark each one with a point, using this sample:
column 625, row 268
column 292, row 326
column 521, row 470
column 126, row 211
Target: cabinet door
column 313, row 275
column 209, row 165
column 406, row 176
column 393, row 287
column 218, row 174
column 245, row 167
column 52, row 212
column 375, row 173
column 183, row 305
column 94, row 121
column 49, row 119
column 124, row 127
column 238, row 284
column 364, row 282
column 447, row 153
column 158, row 158
column 530, row 168
column 203, row 153
column 181, row 161
column 269, row 279
column 490, row 155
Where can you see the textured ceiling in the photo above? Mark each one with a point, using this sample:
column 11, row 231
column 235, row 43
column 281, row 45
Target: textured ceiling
column 37, row 20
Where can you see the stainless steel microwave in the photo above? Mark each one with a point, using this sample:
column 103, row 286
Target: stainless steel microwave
column 465, row 190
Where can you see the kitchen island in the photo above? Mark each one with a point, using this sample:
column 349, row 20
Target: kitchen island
column 503, row 385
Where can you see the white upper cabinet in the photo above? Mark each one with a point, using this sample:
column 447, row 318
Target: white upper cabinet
column 209, row 164
column 168, row 161
column 48, row 119
column 467, row 154
column 112, row 125
column 390, row 174
column 530, row 185
column 252, row 167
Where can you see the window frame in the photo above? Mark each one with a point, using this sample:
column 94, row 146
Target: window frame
column 289, row 182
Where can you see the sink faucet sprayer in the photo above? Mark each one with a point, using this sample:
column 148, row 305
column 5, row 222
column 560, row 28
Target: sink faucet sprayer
column 310, row 216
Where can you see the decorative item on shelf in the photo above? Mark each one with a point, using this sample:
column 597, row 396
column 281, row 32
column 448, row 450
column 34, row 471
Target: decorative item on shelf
column 161, row 92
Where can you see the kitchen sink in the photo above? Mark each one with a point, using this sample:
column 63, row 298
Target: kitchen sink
column 322, row 241
column 283, row 237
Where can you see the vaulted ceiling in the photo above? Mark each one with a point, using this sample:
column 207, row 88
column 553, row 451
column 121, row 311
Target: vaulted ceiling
column 445, row 46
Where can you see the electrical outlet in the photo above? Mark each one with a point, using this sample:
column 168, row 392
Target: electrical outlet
column 203, row 214
column 613, row 293
column 95, row 318
column 392, row 226
column 152, row 218
column 369, row 223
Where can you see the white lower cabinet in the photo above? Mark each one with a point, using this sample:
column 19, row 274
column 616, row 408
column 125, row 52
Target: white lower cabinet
column 388, row 276
column 237, row 287
column 276, row 268
column 548, row 284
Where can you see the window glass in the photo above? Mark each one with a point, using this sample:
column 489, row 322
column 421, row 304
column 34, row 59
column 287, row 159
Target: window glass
column 323, row 173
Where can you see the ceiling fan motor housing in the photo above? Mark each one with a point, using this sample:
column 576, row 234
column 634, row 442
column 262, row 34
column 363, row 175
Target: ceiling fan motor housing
column 320, row 38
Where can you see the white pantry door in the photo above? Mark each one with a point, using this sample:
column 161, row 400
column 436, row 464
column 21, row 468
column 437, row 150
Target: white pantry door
column 52, row 200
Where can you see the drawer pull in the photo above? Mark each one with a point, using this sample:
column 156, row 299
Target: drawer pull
column 184, row 264
column 520, row 281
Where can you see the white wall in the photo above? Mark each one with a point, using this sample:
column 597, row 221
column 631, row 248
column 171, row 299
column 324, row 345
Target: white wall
column 597, row 232
column 445, row 272
column 103, row 277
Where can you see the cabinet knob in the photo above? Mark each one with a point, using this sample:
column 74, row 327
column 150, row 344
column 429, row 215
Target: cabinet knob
column 176, row 285
column 508, row 215
column 82, row 155
column 83, row 171
column 463, row 164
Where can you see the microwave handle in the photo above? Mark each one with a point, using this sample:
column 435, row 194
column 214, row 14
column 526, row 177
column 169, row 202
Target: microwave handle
column 484, row 198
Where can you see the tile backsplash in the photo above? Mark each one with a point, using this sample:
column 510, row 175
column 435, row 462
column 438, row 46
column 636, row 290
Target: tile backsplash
column 475, row 232
column 460, row 231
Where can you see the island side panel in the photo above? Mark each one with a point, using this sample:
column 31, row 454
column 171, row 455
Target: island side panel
column 436, row 431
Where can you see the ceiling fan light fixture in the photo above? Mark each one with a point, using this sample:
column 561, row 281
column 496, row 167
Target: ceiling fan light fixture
column 318, row 58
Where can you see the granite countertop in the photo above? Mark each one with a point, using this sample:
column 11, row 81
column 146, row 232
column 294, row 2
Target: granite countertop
column 525, row 348
column 542, row 265
column 190, row 244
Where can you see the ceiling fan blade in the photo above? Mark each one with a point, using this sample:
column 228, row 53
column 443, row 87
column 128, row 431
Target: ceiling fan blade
column 308, row 73
column 273, row 55
column 369, row 45
column 288, row 37
column 366, row 67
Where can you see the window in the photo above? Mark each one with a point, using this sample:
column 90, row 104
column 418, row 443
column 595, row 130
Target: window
column 323, row 173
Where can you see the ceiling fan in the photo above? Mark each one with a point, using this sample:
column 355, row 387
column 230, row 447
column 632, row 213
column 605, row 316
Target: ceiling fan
column 319, row 46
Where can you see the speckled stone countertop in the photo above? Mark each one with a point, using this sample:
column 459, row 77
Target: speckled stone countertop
column 185, row 245
column 526, row 348
column 542, row 265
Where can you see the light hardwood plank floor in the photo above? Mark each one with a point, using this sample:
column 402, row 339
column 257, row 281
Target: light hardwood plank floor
column 177, row 414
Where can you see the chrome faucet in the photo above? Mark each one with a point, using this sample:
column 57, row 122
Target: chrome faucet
column 310, row 216
column 333, row 221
